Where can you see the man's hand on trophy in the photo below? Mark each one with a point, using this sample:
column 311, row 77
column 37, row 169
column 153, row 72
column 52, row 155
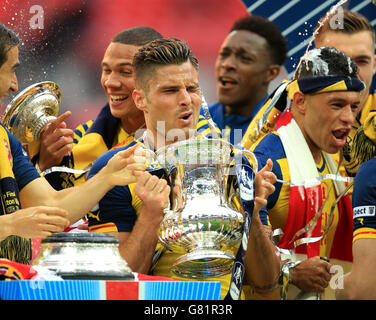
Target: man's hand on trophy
column 154, row 194
column 264, row 185
column 125, row 167
column 56, row 141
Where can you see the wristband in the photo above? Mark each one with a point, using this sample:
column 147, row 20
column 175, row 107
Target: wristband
column 285, row 277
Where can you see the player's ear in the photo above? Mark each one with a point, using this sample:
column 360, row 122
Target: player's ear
column 138, row 96
column 299, row 102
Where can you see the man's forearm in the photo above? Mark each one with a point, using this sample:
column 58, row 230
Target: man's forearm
column 343, row 293
column 5, row 226
column 139, row 247
column 262, row 259
column 78, row 201
column 357, row 287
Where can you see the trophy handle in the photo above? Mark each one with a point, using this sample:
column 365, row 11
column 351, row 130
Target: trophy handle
column 239, row 185
column 250, row 156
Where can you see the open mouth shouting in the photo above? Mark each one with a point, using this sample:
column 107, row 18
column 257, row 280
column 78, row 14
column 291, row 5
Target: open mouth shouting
column 340, row 136
column 186, row 118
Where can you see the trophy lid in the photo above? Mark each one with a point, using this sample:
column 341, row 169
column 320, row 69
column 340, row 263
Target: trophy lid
column 80, row 237
column 83, row 256
column 40, row 100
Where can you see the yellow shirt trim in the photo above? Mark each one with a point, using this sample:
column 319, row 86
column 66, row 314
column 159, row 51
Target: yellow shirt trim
column 364, row 233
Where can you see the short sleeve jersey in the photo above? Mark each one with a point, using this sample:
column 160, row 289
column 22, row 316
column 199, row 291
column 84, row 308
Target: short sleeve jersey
column 364, row 201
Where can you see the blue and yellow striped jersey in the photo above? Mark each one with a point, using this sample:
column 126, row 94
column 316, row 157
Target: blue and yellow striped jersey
column 364, row 201
column 117, row 211
column 278, row 203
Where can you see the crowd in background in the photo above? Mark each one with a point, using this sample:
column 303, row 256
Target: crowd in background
column 64, row 49
column 70, row 47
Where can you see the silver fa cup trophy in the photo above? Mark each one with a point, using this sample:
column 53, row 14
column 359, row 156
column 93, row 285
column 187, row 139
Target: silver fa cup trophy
column 204, row 224
column 31, row 110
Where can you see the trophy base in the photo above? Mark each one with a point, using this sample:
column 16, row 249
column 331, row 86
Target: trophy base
column 203, row 263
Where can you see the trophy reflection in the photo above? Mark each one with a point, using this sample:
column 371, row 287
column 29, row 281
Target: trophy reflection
column 204, row 225
column 31, row 110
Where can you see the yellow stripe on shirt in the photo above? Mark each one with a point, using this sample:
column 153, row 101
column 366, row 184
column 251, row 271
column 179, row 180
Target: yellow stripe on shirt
column 364, row 233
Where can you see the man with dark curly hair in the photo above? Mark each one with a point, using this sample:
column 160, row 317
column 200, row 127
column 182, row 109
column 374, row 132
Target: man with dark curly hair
column 250, row 57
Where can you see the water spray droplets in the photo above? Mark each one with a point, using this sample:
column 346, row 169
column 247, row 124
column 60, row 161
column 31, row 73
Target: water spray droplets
column 349, row 64
column 316, row 32
column 319, row 66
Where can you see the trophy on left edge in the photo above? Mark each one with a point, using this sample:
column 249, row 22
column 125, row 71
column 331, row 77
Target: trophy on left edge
column 31, row 110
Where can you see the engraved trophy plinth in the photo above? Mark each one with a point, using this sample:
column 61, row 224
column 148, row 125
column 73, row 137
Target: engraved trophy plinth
column 202, row 226
column 31, row 110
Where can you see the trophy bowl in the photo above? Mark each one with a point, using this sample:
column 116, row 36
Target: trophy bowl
column 83, row 256
column 202, row 225
column 31, row 109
